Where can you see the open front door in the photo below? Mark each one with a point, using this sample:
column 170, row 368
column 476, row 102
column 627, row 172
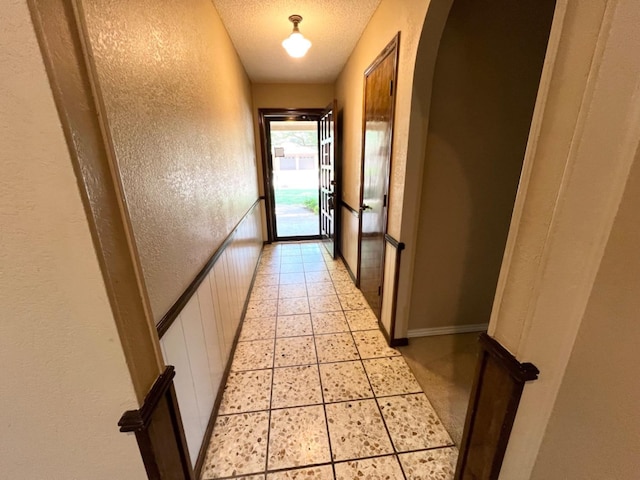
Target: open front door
column 327, row 137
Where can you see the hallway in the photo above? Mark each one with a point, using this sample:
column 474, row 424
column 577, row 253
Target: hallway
column 314, row 390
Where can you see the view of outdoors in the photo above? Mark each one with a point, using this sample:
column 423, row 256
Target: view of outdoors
column 295, row 178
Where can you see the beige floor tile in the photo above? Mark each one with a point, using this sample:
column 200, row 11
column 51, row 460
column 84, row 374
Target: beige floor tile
column 295, row 351
column 246, row 392
column 292, row 278
column 338, row 275
column 254, row 355
column 319, row 289
column 344, row 381
column 372, row 344
column 329, row 322
column 346, row 287
column 290, row 259
column 258, row 329
column 296, row 387
column 324, row 472
column 262, row 308
column 327, row 303
column 269, row 259
column 289, row 250
column 361, row 320
column 298, row 437
column 380, row 468
column 295, row 290
column 438, row 464
column 238, row 445
column 294, row 325
column 318, row 266
column 312, row 256
column 268, row 279
column 390, row 376
column 412, row 423
column 293, row 306
column 317, row 277
column 336, row 347
column 291, row 268
column 335, row 265
column 352, row 301
column 269, row 292
column 356, row 430
column 305, row 302
column 269, row 269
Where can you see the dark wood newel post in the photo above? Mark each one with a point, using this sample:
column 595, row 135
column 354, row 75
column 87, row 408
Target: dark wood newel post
column 158, row 429
column 495, row 396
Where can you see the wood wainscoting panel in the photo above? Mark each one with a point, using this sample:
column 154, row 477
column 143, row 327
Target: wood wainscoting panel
column 349, row 238
column 497, row 388
column 199, row 342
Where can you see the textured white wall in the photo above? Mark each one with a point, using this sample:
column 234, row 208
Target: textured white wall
column 64, row 380
column 178, row 107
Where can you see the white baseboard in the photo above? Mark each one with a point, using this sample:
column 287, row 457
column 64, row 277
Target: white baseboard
column 430, row 332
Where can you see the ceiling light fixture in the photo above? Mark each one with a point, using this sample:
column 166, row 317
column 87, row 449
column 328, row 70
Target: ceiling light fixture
column 295, row 44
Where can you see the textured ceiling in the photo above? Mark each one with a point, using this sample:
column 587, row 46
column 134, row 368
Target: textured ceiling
column 257, row 29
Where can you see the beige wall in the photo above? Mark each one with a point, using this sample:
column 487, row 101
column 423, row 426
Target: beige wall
column 277, row 95
column 178, row 106
column 560, row 253
column 593, row 430
column 390, row 17
column 484, row 89
column 64, row 382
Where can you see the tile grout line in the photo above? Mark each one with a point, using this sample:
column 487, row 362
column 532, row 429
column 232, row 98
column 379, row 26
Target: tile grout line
column 273, row 375
column 326, row 464
column 324, row 405
column 393, row 446
column 374, row 397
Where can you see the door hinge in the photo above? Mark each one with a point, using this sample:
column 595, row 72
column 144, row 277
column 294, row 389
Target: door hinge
column 379, row 290
column 391, row 88
column 384, row 200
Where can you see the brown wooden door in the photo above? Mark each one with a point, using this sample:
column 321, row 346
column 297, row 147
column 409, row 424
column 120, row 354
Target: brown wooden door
column 327, row 134
column 379, row 103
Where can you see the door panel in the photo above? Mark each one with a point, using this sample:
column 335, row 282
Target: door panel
column 327, row 133
column 377, row 140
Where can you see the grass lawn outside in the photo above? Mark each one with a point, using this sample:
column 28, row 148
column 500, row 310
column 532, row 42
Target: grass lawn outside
column 297, row 196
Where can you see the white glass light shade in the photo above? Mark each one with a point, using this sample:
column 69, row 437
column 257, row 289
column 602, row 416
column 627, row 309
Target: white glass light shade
column 296, row 45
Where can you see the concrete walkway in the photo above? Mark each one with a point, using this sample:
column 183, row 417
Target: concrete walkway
column 296, row 221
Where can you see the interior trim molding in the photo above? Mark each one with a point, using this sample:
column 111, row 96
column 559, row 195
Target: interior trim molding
column 76, row 95
column 354, row 279
column 395, row 243
column 450, row 330
column 166, row 439
column 136, row 420
column 167, row 320
column 495, row 396
column 356, row 213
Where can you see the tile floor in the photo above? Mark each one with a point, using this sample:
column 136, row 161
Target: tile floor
column 315, row 392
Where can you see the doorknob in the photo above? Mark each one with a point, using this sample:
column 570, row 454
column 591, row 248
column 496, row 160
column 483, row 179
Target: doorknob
column 365, row 207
